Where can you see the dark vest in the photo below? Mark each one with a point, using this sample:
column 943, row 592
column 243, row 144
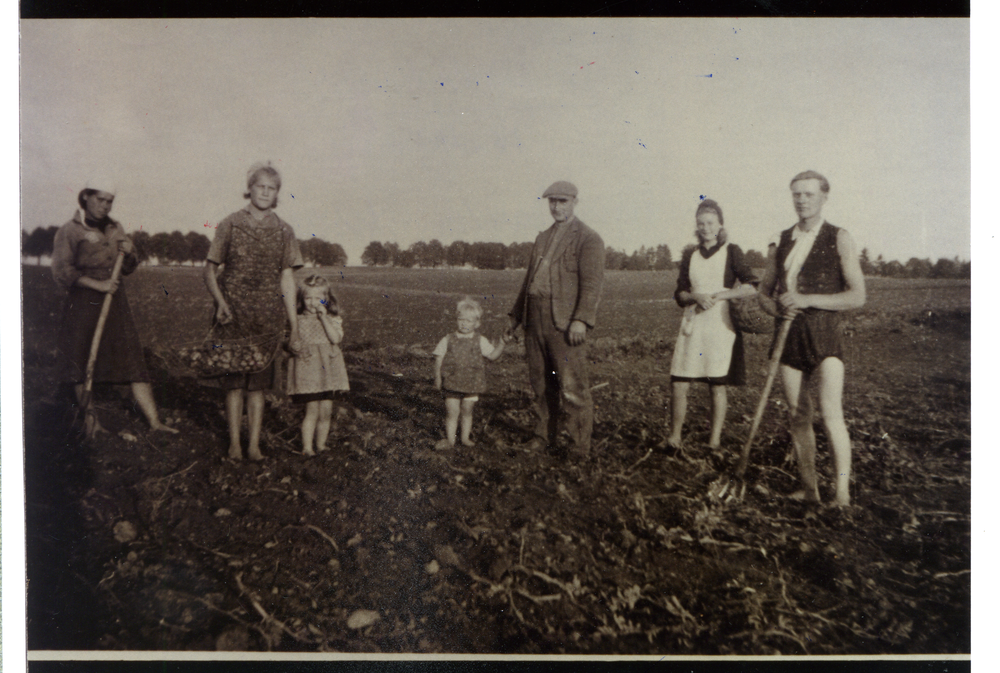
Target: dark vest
column 462, row 368
column 821, row 273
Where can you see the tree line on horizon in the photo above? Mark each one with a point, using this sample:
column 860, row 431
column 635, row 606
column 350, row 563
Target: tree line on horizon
column 176, row 248
column 517, row 255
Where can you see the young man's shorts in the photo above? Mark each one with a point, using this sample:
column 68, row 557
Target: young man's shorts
column 815, row 335
column 454, row 395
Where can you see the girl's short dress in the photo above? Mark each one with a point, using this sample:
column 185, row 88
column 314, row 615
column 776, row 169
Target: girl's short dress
column 463, row 368
column 319, row 370
column 708, row 347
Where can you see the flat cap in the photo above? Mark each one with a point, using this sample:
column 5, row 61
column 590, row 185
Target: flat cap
column 561, row 188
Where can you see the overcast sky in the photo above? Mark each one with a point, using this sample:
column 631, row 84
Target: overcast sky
column 407, row 130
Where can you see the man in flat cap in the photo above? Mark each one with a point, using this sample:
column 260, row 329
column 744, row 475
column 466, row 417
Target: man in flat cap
column 557, row 306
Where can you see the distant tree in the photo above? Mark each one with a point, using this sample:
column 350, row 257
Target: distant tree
column 880, row 266
column 179, row 249
column 140, row 240
column 24, row 242
column 435, row 254
column 488, row 255
column 337, row 256
column 893, row 269
column 640, row 260
column 419, row 251
column 664, row 262
column 169, row 248
column 405, row 259
column 755, row 260
column 375, row 255
column 39, row 242
column 391, row 251
column 519, row 255
column 197, row 246
column 918, row 268
column 614, row 260
column 322, row 253
column 457, row 253
column 965, row 270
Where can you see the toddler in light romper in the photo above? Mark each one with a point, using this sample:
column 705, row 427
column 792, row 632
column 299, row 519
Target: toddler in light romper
column 316, row 370
column 460, row 370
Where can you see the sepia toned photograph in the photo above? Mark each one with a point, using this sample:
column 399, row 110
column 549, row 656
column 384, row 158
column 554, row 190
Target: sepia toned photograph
column 538, row 336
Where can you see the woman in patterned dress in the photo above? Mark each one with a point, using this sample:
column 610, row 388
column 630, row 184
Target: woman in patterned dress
column 254, row 294
column 83, row 257
column 708, row 349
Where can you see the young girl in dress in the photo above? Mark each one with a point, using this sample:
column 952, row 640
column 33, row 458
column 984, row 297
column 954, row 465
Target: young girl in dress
column 316, row 370
column 708, row 349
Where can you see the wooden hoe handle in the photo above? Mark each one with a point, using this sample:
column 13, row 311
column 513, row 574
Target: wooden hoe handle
column 95, row 344
column 772, row 372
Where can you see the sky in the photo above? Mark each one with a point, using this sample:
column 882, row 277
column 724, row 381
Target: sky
column 416, row 129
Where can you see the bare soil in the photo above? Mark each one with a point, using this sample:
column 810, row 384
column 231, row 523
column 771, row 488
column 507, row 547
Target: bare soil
column 145, row 541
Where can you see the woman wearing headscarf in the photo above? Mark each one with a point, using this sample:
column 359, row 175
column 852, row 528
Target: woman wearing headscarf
column 84, row 253
column 708, row 348
column 254, row 294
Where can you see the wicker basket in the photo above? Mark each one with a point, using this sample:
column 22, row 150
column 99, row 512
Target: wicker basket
column 754, row 314
column 216, row 357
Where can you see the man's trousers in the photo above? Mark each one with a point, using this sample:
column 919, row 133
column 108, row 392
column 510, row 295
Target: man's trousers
column 558, row 375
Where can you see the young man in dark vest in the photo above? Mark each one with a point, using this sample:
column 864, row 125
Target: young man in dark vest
column 815, row 272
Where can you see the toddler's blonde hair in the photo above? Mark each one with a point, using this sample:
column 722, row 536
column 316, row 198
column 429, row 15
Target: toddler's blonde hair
column 469, row 306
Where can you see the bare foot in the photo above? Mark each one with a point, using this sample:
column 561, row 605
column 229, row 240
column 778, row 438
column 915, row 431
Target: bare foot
column 443, row 444
column 309, row 453
column 468, row 442
column 92, row 427
column 235, row 453
column 255, row 455
column 802, row 496
column 164, row 428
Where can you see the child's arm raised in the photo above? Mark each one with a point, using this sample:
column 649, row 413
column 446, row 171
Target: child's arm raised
column 333, row 325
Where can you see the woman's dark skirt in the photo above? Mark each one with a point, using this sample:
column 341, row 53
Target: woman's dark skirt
column 119, row 357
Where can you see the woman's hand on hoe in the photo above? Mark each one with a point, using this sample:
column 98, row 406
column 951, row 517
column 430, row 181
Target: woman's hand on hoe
column 109, row 286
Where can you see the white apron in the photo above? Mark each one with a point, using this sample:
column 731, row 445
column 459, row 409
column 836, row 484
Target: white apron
column 704, row 346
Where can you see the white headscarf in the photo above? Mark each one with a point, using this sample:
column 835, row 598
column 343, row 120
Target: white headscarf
column 103, row 183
